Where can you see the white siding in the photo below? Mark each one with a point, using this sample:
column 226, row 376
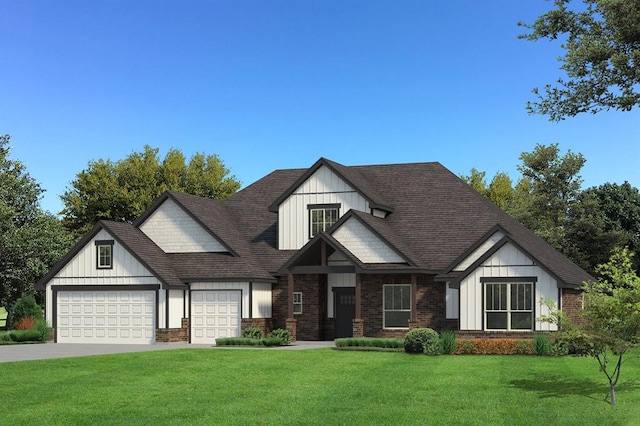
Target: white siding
column 323, row 187
column 261, row 300
column 364, row 244
column 176, row 308
column 337, row 280
column 261, row 296
column 508, row 261
column 174, row 231
column 477, row 253
column 452, row 303
column 82, row 270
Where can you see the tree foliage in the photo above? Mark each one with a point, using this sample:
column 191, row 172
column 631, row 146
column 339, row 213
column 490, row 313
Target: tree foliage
column 122, row 190
column 601, row 39
column 31, row 240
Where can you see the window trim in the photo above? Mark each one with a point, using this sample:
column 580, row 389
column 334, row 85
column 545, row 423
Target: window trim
column 297, row 303
column 509, row 281
column 384, row 311
column 100, row 244
column 324, row 207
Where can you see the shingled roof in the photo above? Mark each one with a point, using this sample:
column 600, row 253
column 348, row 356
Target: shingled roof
column 433, row 218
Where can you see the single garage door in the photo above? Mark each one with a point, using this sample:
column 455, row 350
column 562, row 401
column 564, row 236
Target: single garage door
column 215, row 313
column 105, row 317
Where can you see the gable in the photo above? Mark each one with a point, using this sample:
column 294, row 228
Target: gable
column 323, row 187
column 478, row 252
column 364, row 244
column 174, row 231
column 81, row 268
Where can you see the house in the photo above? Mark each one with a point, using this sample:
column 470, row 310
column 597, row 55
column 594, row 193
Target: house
column 327, row 251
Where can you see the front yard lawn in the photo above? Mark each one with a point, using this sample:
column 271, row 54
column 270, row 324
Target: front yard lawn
column 322, row 386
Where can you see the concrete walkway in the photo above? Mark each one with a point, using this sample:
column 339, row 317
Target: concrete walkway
column 10, row 353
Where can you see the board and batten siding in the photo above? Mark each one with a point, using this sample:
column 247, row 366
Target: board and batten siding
column 510, row 262
column 323, row 187
column 477, row 253
column 260, row 299
column 177, row 308
column 364, row 244
column 174, row 231
column 82, row 270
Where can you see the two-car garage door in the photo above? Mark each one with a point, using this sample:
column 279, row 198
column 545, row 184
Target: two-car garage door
column 105, row 316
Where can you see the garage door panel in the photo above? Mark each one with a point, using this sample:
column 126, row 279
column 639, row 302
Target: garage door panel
column 214, row 314
column 106, row 317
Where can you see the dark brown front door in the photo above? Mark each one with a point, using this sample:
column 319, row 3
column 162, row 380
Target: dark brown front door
column 344, row 310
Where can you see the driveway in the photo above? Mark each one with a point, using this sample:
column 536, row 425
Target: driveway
column 10, row 353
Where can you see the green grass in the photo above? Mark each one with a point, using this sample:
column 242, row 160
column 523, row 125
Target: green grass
column 323, row 386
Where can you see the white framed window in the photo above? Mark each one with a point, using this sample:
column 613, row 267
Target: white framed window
column 508, row 306
column 297, row 303
column 396, row 305
column 322, row 217
column 104, row 254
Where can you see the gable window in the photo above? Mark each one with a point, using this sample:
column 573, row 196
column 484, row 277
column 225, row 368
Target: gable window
column 508, row 306
column 322, row 217
column 104, row 254
column 396, row 305
column 297, row 303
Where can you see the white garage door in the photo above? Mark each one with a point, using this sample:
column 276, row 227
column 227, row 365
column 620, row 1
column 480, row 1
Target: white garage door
column 105, row 317
column 214, row 313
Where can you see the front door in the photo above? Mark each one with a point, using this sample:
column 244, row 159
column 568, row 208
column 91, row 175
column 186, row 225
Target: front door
column 344, row 310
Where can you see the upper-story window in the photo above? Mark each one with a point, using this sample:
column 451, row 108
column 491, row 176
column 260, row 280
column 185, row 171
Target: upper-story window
column 104, row 254
column 322, row 217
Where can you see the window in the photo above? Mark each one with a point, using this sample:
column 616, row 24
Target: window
column 508, row 306
column 396, row 305
column 297, row 303
column 321, row 217
column 104, row 254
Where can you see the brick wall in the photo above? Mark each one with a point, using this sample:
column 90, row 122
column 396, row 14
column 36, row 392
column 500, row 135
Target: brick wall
column 572, row 304
column 264, row 324
column 310, row 324
column 173, row 335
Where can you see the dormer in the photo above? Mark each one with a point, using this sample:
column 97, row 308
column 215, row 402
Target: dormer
column 317, row 200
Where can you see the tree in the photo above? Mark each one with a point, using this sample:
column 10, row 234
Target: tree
column 601, row 60
column 499, row 190
column 123, row 189
column 612, row 311
column 31, row 240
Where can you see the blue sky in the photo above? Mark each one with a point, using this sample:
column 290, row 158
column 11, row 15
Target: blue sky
column 277, row 84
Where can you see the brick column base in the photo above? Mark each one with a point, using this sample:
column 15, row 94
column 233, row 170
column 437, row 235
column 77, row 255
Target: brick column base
column 358, row 327
column 291, row 326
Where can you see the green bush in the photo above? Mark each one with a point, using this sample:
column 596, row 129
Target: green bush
column 4, row 337
column 247, row 341
column 282, row 334
column 468, row 347
column 416, row 340
column 25, row 336
column 369, row 342
column 448, row 342
column 523, row 347
column 43, row 328
column 541, row 345
column 26, row 306
column 252, row 333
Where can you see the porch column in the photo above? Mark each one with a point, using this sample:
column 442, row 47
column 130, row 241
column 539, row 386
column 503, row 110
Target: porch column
column 413, row 320
column 358, row 322
column 291, row 321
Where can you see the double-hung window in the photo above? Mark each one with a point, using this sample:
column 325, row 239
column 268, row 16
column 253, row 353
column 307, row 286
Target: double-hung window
column 396, row 305
column 104, row 254
column 508, row 305
column 297, row 303
column 322, row 217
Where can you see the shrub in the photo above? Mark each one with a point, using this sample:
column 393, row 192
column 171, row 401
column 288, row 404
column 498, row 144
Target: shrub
column 369, row 342
column 26, row 306
column 44, row 330
column 4, row 337
column 25, row 323
column 466, row 347
column 523, row 347
column 25, row 335
column 252, row 333
column 447, row 342
column 417, row 338
column 247, row 341
column 541, row 345
column 282, row 334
